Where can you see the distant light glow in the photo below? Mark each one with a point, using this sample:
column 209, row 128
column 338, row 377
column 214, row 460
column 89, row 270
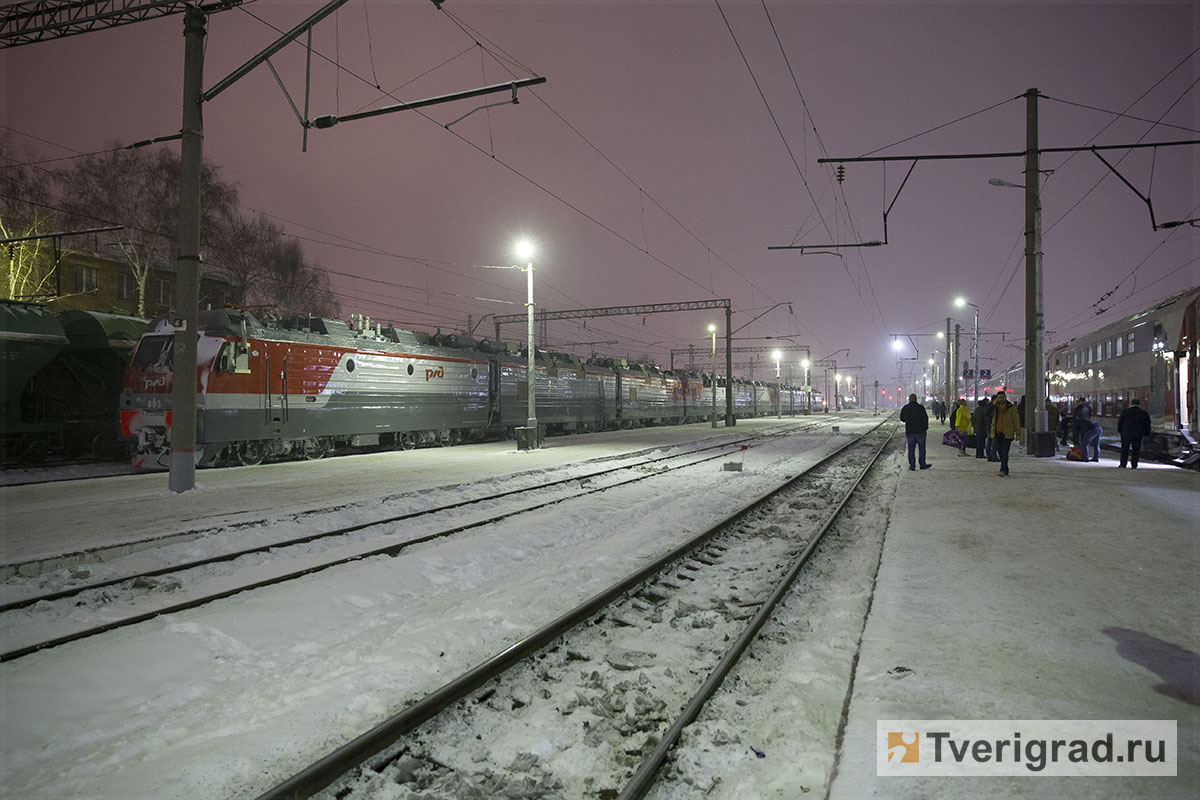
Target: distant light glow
column 523, row 249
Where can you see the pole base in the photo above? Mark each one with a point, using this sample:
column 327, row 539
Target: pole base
column 529, row 438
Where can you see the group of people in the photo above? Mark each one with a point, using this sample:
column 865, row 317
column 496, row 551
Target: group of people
column 1000, row 420
column 996, row 423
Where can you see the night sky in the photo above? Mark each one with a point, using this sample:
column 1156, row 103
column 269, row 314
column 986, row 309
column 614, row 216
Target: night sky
column 670, row 147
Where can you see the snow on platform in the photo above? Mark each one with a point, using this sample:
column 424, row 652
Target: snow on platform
column 1068, row 590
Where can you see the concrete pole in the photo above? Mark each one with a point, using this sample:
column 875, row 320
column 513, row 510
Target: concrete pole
column 182, row 464
column 713, row 417
column 729, row 420
column 531, row 423
column 1036, row 417
column 977, row 355
column 957, row 353
column 949, row 376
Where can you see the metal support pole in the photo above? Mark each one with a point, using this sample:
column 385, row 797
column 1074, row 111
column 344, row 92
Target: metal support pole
column 729, row 421
column 1035, row 385
column 949, row 375
column 976, row 355
column 713, row 415
column 182, row 464
column 778, row 393
column 531, row 423
column 957, row 353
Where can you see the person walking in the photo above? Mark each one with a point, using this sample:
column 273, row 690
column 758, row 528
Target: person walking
column 916, row 425
column 1005, row 424
column 1021, row 417
column 962, row 423
column 1089, row 438
column 1133, row 425
column 981, row 422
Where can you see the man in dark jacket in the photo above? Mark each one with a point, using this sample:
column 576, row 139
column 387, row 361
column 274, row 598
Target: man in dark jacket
column 1133, row 425
column 981, row 421
column 916, row 423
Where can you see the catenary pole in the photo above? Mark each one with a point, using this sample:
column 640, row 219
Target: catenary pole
column 185, row 318
column 1035, row 386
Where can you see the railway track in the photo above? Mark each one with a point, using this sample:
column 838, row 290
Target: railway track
column 43, row 619
column 593, row 680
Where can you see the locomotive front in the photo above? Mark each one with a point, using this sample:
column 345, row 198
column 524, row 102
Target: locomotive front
column 145, row 402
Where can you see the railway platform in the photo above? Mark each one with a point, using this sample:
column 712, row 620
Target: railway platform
column 1067, row 591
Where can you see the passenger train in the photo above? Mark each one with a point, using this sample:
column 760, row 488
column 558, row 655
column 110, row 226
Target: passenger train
column 1152, row 355
column 307, row 386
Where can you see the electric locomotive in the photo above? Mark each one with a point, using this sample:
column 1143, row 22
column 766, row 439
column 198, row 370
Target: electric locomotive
column 307, row 386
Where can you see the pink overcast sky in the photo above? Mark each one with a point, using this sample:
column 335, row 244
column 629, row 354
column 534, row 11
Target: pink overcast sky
column 670, row 147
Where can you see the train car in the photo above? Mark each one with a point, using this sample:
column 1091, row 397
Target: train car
column 61, row 380
column 1151, row 355
column 30, row 338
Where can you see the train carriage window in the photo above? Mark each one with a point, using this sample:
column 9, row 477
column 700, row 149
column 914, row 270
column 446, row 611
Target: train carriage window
column 1098, row 351
column 1117, row 346
column 1129, row 342
column 410, row 369
column 1108, row 348
column 1089, row 355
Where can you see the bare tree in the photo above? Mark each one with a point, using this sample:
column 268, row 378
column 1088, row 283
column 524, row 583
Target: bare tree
column 25, row 210
column 140, row 190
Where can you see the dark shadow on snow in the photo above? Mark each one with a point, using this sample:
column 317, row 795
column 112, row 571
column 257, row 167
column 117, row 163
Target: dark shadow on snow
column 1178, row 667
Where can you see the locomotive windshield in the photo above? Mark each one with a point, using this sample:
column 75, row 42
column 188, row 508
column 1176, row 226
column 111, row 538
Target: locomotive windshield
column 154, row 352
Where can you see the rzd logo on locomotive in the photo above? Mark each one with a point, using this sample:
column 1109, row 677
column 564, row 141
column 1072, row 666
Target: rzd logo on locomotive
column 430, row 372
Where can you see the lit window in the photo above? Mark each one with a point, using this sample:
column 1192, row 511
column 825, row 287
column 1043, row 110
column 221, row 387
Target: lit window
column 1108, row 348
column 85, row 279
column 1129, row 342
column 1117, row 346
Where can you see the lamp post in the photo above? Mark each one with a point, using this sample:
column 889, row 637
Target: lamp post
column 807, row 385
column 837, row 391
column 778, row 396
column 524, row 252
column 712, row 329
column 960, row 302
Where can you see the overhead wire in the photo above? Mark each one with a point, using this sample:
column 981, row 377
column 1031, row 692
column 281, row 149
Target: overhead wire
column 341, row 68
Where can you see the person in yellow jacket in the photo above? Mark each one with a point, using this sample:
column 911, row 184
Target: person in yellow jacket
column 962, row 423
column 1006, row 423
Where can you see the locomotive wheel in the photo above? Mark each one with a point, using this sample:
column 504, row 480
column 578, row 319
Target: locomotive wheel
column 407, row 441
column 249, row 454
column 313, row 449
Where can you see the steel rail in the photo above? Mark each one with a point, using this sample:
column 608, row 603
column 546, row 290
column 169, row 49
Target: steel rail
column 388, row 550
column 25, row 602
column 329, row 768
column 644, row 778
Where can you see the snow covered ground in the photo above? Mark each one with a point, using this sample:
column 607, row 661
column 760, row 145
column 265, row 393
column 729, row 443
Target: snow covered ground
column 226, row 700
column 1002, row 599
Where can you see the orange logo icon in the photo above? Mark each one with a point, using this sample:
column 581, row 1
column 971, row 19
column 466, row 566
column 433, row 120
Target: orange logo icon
column 906, row 746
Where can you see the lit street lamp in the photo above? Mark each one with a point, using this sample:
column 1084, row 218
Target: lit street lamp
column 712, row 329
column 524, row 252
column 960, row 302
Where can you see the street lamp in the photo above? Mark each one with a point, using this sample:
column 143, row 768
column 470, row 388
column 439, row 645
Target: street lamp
column 712, row 329
column 777, row 355
column 960, row 302
column 807, row 385
column 523, row 249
